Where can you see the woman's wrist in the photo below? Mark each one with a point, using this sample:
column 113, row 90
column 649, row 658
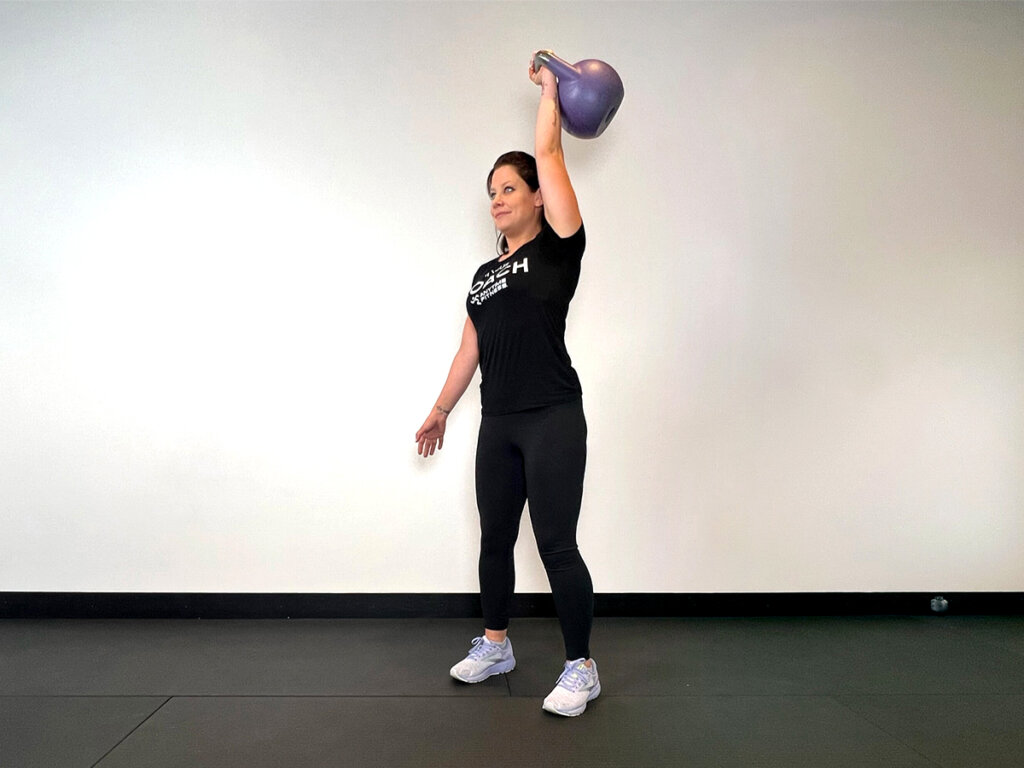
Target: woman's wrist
column 445, row 411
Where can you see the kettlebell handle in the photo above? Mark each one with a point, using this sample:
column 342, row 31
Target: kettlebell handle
column 559, row 67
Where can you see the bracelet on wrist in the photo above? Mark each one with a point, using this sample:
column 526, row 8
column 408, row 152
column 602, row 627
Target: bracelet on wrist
column 442, row 410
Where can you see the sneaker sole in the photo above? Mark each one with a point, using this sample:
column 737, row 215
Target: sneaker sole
column 501, row 668
column 579, row 710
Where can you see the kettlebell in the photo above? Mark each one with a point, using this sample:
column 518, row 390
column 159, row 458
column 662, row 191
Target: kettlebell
column 589, row 93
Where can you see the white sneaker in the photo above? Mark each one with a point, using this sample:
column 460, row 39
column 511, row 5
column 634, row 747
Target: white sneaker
column 485, row 659
column 577, row 685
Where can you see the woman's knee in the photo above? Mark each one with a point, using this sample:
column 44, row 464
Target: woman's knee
column 560, row 558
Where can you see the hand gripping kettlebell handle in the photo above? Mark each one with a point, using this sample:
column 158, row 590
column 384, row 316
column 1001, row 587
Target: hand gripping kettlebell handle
column 541, row 58
column 559, row 67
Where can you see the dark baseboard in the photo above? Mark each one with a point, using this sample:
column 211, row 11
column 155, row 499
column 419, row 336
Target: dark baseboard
column 217, row 605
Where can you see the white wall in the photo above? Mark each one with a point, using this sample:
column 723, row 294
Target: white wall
column 235, row 242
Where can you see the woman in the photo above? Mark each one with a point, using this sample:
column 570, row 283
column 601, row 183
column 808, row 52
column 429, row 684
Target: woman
column 532, row 443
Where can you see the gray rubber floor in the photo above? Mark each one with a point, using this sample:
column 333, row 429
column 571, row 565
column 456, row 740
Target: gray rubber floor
column 781, row 692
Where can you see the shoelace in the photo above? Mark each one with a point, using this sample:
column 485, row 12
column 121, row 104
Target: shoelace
column 479, row 649
column 573, row 677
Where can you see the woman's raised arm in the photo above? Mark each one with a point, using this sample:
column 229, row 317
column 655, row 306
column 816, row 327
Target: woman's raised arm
column 561, row 208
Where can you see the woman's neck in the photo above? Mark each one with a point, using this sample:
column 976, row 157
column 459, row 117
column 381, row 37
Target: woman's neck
column 515, row 242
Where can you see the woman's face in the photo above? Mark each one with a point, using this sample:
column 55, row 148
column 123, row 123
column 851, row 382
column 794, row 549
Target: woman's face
column 514, row 206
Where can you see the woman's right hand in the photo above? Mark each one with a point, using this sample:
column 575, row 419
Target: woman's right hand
column 431, row 434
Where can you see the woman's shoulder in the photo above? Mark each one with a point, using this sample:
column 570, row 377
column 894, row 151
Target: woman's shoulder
column 548, row 231
column 571, row 244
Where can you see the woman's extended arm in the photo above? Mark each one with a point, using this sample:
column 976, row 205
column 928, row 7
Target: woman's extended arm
column 561, row 208
column 431, row 434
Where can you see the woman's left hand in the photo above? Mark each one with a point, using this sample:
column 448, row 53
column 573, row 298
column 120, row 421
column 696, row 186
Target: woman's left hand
column 541, row 76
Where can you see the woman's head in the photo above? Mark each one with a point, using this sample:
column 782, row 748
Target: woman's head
column 512, row 186
column 525, row 166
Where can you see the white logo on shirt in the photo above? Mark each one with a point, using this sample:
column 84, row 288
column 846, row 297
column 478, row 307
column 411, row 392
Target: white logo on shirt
column 496, row 280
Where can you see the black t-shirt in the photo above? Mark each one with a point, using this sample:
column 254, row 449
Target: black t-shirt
column 518, row 307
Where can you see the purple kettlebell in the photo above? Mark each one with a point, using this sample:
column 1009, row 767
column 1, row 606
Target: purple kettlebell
column 589, row 93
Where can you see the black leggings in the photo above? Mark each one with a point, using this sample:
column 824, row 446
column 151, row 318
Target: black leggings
column 538, row 455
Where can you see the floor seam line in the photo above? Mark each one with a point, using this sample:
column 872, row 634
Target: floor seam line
column 133, row 730
column 838, row 700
